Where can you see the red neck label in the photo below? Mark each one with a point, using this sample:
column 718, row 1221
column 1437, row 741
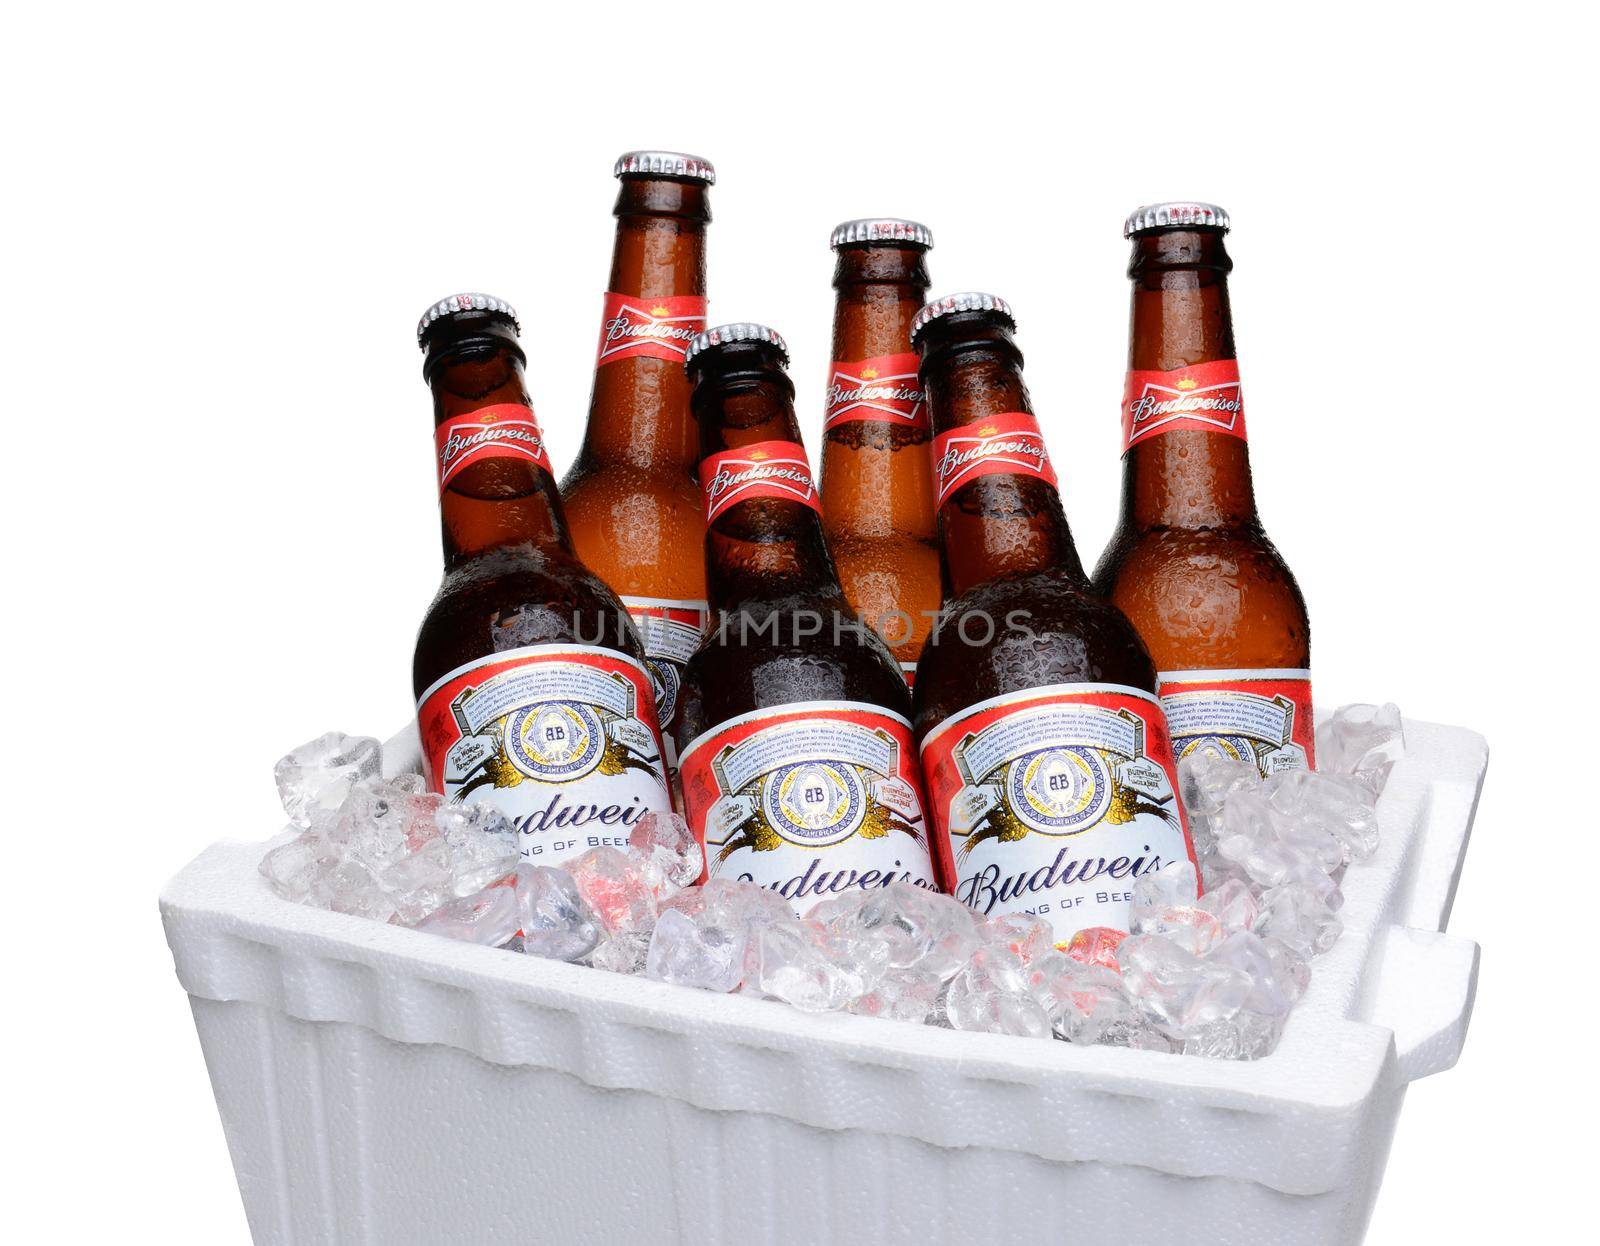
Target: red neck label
column 506, row 430
column 634, row 328
column 1009, row 444
column 1206, row 397
column 764, row 469
column 884, row 388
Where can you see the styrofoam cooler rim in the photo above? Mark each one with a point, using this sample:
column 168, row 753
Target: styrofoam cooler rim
column 1389, row 1004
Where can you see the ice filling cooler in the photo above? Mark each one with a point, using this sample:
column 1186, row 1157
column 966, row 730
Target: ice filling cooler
column 379, row 1085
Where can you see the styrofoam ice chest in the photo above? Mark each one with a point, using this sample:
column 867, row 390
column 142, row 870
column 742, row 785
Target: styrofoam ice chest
column 379, row 1085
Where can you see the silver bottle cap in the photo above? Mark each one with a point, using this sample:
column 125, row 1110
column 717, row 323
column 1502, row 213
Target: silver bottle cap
column 971, row 300
column 880, row 229
column 458, row 303
column 725, row 333
column 666, row 164
column 1169, row 215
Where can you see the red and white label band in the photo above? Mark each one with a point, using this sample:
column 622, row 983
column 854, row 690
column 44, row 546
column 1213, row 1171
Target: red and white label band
column 1259, row 716
column 634, row 328
column 1205, row 397
column 562, row 739
column 1009, row 444
column 505, row 430
column 1053, row 801
column 809, row 799
column 884, row 388
column 763, row 469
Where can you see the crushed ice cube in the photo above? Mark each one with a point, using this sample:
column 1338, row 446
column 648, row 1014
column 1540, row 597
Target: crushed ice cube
column 350, row 887
column 1249, row 954
column 381, row 822
column 708, row 956
column 1296, row 916
column 293, row 868
column 1179, row 989
column 1185, row 924
column 669, row 848
column 418, row 882
column 921, row 929
column 902, row 995
column 1216, row 1040
column 1175, row 883
column 974, row 1002
column 1292, row 970
column 625, row 952
column 1233, row 904
column 1026, row 937
column 804, row 964
column 482, row 845
column 1096, row 945
column 1337, row 805
column 316, row 777
column 489, row 918
column 617, row 887
column 555, row 921
column 1362, row 741
column 1206, row 780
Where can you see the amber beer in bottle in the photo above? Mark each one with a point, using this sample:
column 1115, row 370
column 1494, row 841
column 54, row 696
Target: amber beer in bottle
column 1051, row 783
column 632, row 497
column 877, row 504
column 799, row 771
column 532, row 690
column 1189, row 563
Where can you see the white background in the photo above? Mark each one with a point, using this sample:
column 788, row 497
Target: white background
column 221, row 522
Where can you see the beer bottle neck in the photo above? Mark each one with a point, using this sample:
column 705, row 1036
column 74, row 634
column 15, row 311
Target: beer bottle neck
column 766, row 549
column 1184, row 478
column 639, row 411
column 502, row 493
column 879, row 289
column 872, row 486
column 1000, row 523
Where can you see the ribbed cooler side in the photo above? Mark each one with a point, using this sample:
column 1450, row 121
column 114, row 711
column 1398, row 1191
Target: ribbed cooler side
column 1302, row 1123
column 340, row 1136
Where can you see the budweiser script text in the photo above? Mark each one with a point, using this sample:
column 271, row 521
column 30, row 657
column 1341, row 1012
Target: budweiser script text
column 956, row 458
column 989, row 886
column 459, row 443
column 624, row 328
column 1149, row 407
column 726, row 480
column 817, row 882
column 839, row 395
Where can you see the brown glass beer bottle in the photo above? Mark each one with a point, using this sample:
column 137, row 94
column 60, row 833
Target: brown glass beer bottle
column 1189, row 563
column 877, row 508
column 799, row 771
column 532, row 690
column 1051, row 783
column 631, row 495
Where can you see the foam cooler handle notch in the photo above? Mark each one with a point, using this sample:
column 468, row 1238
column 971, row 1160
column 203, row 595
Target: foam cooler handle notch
column 1425, row 985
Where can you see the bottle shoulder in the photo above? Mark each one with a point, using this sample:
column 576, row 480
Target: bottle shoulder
column 514, row 597
column 643, row 532
column 1209, row 598
column 1161, row 546
column 1016, row 633
column 592, row 484
column 770, row 654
